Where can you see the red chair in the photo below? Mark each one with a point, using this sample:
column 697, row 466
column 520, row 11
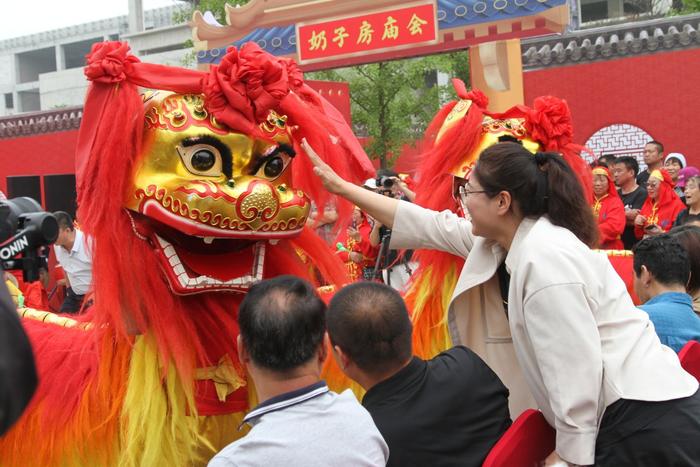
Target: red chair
column 690, row 358
column 526, row 443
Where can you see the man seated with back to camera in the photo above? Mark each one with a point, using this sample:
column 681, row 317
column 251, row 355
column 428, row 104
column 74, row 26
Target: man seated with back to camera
column 661, row 273
column 283, row 344
column 448, row 411
column 395, row 265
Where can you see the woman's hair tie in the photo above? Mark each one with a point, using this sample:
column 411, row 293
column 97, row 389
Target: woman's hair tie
column 541, row 158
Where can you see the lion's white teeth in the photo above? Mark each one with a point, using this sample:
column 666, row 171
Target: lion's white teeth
column 201, row 283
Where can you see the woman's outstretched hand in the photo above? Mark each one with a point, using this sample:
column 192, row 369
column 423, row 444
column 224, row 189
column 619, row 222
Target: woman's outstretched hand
column 382, row 208
column 330, row 180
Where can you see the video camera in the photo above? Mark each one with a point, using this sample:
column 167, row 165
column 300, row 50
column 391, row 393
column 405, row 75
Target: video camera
column 25, row 229
column 385, row 182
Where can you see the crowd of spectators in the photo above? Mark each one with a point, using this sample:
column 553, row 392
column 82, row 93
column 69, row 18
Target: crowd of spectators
column 654, row 199
column 363, row 243
column 449, row 410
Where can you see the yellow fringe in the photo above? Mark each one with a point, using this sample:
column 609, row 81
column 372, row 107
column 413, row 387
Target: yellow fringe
column 160, row 425
column 429, row 301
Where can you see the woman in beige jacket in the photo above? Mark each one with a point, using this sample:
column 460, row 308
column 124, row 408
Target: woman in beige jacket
column 592, row 361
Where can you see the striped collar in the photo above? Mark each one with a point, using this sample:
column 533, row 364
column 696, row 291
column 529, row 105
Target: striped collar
column 287, row 399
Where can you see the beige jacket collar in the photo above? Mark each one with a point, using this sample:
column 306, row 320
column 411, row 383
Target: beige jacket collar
column 487, row 255
column 480, row 265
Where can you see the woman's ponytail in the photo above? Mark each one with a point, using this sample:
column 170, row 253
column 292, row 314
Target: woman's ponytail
column 567, row 206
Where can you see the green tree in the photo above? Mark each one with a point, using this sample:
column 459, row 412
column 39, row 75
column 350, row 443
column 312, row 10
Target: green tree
column 689, row 6
column 393, row 102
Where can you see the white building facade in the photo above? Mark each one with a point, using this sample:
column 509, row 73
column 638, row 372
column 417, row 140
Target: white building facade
column 44, row 71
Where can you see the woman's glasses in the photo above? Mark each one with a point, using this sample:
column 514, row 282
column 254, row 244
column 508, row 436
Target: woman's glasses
column 461, row 190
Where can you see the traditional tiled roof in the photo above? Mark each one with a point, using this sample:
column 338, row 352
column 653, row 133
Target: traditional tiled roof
column 456, row 13
column 28, row 124
column 676, row 32
column 450, row 14
column 278, row 40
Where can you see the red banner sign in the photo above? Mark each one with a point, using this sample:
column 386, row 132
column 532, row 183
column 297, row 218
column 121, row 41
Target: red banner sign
column 374, row 32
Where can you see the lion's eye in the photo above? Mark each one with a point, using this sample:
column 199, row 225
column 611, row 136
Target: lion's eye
column 273, row 162
column 274, row 167
column 201, row 159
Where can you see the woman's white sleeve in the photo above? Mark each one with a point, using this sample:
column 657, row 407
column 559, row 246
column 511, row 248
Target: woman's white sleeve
column 417, row 227
column 564, row 335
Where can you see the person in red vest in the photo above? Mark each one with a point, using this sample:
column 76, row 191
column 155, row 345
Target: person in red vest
column 661, row 208
column 608, row 209
column 35, row 295
column 353, row 245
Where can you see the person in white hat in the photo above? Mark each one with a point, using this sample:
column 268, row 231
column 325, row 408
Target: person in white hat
column 370, row 184
column 673, row 163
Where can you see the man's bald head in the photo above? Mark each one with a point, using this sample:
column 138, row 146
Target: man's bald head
column 370, row 323
column 282, row 322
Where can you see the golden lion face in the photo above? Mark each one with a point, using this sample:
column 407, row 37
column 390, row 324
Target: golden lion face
column 493, row 131
column 203, row 189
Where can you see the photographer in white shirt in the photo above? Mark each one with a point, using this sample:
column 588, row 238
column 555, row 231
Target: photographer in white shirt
column 73, row 253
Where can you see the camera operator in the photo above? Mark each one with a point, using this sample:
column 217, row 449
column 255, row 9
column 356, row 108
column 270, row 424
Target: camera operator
column 74, row 255
column 390, row 183
column 395, row 266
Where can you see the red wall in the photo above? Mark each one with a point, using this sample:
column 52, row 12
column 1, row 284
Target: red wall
column 47, row 154
column 658, row 93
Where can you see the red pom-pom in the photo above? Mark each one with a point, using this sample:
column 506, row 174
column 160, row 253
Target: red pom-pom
column 265, row 78
column 249, row 82
column 109, row 62
column 549, row 122
column 478, row 98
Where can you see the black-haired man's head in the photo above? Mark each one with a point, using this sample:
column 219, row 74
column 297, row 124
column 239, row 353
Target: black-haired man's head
column 282, row 324
column 370, row 331
column 660, row 265
column 66, row 232
column 64, row 220
column 653, row 153
column 625, row 170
